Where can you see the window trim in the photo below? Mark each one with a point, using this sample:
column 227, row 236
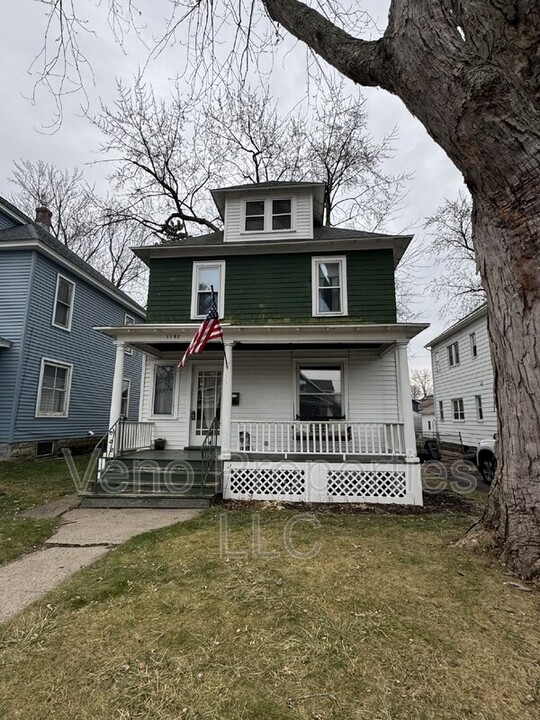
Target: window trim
column 57, row 363
column 128, row 380
column 174, row 414
column 474, row 345
column 128, row 350
column 65, row 328
column 457, row 400
column 194, row 289
column 321, row 362
column 441, row 410
column 479, row 408
column 268, row 215
column 315, row 260
column 452, row 355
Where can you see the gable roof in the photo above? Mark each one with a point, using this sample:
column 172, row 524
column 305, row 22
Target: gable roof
column 31, row 232
column 459, row 325
column 324, row 238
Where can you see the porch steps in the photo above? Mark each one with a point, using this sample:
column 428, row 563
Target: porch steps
column 157, row 480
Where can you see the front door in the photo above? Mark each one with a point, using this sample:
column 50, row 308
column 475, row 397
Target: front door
column 205, row 402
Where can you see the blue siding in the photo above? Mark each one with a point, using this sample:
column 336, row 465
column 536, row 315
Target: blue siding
column 6, row 221
column 91, row 354
column 15, row 272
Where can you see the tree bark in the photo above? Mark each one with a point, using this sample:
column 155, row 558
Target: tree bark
column 470, row 72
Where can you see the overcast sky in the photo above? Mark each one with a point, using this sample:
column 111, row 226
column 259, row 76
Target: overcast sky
column 76, row 142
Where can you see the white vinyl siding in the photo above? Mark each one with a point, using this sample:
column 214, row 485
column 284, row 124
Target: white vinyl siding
column 53, row 389
column 479, row 408
column 301, row 216
column 64, row 299
column 473, row 376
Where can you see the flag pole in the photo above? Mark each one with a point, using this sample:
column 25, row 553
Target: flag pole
column 222, row 341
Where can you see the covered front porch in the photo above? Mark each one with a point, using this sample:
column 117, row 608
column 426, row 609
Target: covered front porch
column 297, row 413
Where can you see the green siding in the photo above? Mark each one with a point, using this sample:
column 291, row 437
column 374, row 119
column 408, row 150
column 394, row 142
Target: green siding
column 274, row 289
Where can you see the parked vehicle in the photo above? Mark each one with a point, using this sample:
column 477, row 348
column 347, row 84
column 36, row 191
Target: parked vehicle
column 486, row 460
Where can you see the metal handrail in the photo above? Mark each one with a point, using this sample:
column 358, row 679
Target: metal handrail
column 209, row 452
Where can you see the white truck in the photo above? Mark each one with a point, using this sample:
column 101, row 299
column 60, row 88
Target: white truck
column 485, row 459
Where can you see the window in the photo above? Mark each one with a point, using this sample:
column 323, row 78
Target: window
column 329, row 285
column 320, row 392
column 268, row 215
column 441, row 410
column 124, row 406
column 164, row 389
column 128, row 320
column 458, row 409
column 63, row 303
column 53, row 389
column 207, row 275
column 474, row 347
column 453, row 354
column 479, row 409
column 429, row 424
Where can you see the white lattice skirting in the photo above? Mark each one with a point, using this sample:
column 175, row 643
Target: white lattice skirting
column 323, row 482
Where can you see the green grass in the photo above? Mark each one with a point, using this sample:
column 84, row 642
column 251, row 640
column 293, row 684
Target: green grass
column 24, row 485
column 387, row 621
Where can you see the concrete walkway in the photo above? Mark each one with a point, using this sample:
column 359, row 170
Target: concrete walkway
column 83, row 537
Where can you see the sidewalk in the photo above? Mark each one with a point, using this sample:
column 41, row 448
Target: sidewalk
column 82, row 538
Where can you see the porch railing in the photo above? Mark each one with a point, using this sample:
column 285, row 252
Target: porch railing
column 128, row 436
column 209, row 451
column 319, row 438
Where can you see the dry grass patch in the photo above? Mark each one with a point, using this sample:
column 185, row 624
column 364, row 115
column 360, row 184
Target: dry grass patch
column 386, row 622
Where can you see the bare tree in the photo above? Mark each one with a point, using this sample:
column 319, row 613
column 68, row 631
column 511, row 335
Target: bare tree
column 458, row 283
column 421, row 383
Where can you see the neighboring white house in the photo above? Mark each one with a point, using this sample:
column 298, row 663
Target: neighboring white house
column 427, row 413
column 463, row 380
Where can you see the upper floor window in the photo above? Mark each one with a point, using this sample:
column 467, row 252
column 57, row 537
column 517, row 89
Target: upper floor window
column 453, row 354
column 329, row 286
column 207, row 275
column 53, row 389
column 474, row 347
column 63, row 303
column 268, row 215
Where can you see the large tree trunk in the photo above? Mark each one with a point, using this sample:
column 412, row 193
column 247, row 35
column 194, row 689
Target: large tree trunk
column 470, row 72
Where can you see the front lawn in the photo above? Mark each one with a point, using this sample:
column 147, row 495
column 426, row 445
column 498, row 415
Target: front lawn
column 385, row 622
column 26, row 484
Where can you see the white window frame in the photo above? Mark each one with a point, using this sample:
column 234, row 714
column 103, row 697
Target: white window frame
column 64, row 365
column 128, row 381
column 479, row 408
column 195, row 284
column 268, row 215
column 322, row 362
column 474, row 345
column 315, row 261
column 174, row 409
column 460, row 411
column 128, row 350
column 452, row 351
column 66, row 328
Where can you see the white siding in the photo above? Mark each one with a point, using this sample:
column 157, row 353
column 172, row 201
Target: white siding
column 302, row 208
column 266, row 381
column 428, row 424
column 471, row 377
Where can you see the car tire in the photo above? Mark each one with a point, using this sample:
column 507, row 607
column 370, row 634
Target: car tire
column 487, row 467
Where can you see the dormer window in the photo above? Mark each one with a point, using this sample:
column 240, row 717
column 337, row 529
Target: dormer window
column 268, row 215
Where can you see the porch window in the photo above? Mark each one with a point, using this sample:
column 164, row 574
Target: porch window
column 126, row 389
column 53, row 390
column 63, row 303
column 329, row 283
column 320, row 392
column 164, row 389
column 458, row 409
column 207, row 275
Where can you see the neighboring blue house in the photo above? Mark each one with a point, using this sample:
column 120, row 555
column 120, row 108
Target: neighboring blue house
column 55, row 370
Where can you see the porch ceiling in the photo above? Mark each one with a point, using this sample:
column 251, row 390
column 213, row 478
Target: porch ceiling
column 162, row 339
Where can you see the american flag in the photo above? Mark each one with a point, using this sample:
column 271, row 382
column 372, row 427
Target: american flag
column 210, row 329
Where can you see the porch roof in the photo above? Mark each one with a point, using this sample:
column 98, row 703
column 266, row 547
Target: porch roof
column 157, row 339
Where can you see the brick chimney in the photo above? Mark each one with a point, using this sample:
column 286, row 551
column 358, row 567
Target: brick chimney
column 43, row 217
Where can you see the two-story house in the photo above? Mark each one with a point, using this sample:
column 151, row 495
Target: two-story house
column 311, row 384
column 55, row 370
column 464, row 401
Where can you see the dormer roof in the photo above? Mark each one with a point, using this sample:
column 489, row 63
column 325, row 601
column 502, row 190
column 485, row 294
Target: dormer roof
column 318, row 189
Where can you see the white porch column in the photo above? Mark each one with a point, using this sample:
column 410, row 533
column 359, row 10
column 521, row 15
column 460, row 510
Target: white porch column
column 118, row 381
column 226, row 403
column 405, row 402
